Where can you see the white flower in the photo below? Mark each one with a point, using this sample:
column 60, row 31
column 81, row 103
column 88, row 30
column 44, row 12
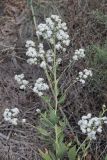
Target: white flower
column 23, row 120
column 54, row 30
column 104, row 118
column 49, row 59
column 83, row 130
column 84, row 117
column 25, row 82
column 41, row 50
column 22, row 87
column 10, row 115
column 31, row 52
column 99, row 129
column 82, row 81
column 91, row 126
column 67, row 42
column 7, row 115
column 15, row 111
column 55, row 17
column 35, row 90
column 64, row 26
column 59, row 60
column 14, row 121
column 104, row 106
column 39, row 80
column 40, row 46
column 64, row 49
column 78, row 54
column 92, row 135
column 84, row 122
column 58, row 46
column 88, row 129
column 40, row 86
column 29, row 43
column 18, row 77
column 80, row 74
column 105, row 122
column 32, row 60
column 49, row 56
column 89, row 115
column 22, row 82
column 38, row 110
column 75, row 57
column 43, row 65
column 84, row 75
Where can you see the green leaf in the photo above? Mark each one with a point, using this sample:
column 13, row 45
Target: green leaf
column 63, row 123
column 45, row 155
column 53, row 117
column 43, row 131
column 46, row 121
column 52, row 155
column 72, row 153
column 46, row 99
column 61, row 137
column 58, row 130
column 61, row 149
column 105, row 158
column 62, row 99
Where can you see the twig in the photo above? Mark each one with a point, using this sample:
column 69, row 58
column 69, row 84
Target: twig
column 33, row 14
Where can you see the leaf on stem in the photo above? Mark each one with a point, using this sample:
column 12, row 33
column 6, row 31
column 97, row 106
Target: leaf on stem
column 72, row 153
column 45, row 155
column 62, row 99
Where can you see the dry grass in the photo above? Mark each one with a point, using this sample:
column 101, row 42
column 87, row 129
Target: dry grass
column 21, row 143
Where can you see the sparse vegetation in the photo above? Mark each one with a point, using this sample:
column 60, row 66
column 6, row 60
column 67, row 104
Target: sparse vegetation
column 54, row 103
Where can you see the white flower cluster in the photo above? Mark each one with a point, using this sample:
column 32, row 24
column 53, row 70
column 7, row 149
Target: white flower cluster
column 21, row 81
column 38, row 110
column 78, row 54
column 10, row 115
column 34, row 55
column 91, row 126
column 84, row 75
column 54, row 31
column 43, row 64
column 49, row 56
column 31, row 52
column 29, row 43
column 41, row 50
column 40, row 86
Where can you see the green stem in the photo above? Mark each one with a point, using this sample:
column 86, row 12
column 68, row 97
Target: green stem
column 85, row 150
column 33, row 13
column 48, row 78
column 81, row 146
column 55, row 80
column 56, row 139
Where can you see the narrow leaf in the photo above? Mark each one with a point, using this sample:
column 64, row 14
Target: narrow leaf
column 72, row 153
column 45, row 155
column 62, row 99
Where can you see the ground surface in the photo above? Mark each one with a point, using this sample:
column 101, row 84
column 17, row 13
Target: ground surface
column 16, row 26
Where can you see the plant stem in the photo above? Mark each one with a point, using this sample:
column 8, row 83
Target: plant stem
column 55, row 80
column 33, row 13
column 85, row 150
column 56, row 141
column 48, row 78
column 81, row 146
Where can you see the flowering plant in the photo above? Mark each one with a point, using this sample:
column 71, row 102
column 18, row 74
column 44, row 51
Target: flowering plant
column 53, row 40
